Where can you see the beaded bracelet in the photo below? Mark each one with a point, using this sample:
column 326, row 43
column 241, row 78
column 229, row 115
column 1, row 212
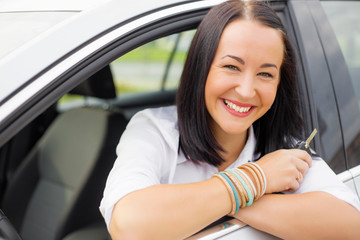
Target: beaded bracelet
column 255, row 177
column 248, row 180
column 241, row 188
column 247, row 189
column 263, row 175
column 260, row 177
column 230, row 191
column 236, row 195
column 247, row 184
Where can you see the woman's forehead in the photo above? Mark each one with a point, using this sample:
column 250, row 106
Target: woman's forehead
column 244, row 38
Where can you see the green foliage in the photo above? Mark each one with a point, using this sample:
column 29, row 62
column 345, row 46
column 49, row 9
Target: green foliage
column 157, row 51
column 70, row 97
column 128, row 88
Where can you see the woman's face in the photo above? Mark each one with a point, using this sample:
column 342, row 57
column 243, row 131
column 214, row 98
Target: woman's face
column 243, row 77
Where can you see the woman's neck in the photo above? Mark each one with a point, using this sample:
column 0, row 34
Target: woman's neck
column 232, row 146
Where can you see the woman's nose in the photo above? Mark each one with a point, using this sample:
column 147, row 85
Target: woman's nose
column 246, row 87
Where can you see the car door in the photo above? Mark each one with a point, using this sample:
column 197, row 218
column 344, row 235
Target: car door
column 340, row 37
column 333, row 104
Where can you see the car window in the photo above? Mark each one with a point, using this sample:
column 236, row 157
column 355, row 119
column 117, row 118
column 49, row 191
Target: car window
column 347, row 30
column 154, row 66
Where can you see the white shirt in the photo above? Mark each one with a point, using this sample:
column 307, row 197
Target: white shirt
column 148, row 154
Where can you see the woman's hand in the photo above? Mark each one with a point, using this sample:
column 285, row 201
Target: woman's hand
column 285, row 169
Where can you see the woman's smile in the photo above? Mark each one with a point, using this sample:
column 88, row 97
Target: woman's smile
column 238, row 109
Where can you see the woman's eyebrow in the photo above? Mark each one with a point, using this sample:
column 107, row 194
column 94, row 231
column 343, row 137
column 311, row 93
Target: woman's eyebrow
column 265, row 65
column 240, row 60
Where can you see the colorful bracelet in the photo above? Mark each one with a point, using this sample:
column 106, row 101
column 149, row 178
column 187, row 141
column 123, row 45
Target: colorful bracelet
column 260, row 177
column 230, row 191
column 248, row 180
column 243, row 189
column 257, row 182
column 240, row 189
column 250, row 197
column 263, row 175
column 233, row 190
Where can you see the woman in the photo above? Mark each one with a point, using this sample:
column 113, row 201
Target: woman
column 237, row 103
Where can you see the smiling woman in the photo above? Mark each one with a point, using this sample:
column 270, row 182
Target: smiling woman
column 226, row 148
column 243, row 84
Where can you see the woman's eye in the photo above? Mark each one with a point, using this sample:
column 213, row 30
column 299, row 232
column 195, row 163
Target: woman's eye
column 266, row 75
column 231, row 67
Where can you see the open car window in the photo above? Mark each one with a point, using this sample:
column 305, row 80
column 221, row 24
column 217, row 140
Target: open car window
column 154, row 66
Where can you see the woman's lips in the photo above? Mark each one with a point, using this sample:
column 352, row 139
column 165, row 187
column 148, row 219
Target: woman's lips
column 238, row 109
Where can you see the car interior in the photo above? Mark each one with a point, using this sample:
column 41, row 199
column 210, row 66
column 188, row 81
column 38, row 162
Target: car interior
column 62, row 177
column 54, row 170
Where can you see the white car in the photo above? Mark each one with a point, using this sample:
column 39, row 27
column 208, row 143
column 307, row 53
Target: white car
column 72, row 74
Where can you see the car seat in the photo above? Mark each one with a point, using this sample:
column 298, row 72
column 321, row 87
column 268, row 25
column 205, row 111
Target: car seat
column 58, row 187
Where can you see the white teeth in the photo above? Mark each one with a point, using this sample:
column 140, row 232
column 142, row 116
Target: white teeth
column 236, row 107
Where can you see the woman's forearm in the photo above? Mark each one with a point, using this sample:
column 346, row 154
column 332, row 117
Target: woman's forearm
column 169, row 211
column 315, row 215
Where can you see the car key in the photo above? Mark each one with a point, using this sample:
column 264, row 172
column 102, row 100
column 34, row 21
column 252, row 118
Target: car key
column 305, row 145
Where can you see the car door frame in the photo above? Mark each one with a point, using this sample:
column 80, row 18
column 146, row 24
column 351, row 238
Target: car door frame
column 346, row 99
column 316, row 40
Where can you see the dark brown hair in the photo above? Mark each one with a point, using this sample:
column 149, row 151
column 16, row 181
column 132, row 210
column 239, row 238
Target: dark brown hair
column 276, row 129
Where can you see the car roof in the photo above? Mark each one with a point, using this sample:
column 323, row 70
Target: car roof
column 46, row 5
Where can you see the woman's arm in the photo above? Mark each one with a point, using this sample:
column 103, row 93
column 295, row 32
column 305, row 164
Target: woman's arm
column 169, row 211
column 313, row 215
column 179, row 210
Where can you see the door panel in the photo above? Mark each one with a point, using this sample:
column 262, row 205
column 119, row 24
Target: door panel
column 324, row 113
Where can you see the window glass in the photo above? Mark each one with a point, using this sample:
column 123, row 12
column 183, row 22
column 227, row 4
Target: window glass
column 154, row 66
column 345, row 20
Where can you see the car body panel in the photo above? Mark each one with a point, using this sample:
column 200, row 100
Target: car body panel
column 45, row 5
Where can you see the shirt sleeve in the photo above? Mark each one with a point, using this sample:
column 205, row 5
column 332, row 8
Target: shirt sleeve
column 139, row 163
column 320, row 177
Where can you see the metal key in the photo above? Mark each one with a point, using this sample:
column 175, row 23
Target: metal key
column 305, row 145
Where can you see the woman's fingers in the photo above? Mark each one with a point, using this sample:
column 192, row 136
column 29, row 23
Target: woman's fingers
column 302, row 168
column 300, row 177
column 303, row 165
column 285, row 169
column 303, row 155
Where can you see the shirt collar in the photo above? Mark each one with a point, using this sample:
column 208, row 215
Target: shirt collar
column 246, row 155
